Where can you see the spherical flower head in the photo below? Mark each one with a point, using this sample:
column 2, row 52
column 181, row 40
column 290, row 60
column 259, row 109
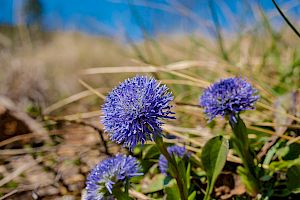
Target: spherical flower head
column 228, row 97
column 133, row 110
column 112, row 171
column 177, row 151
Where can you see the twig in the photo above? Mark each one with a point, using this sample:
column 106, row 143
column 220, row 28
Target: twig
column 273, row 133
column 24, row 188
column 67, row 101
column 187, row 104
column 138, row 195
column 10, row 152
column 17, row 172
column 24, row 137
column 17, row 138
column 266, row 147
column 286, row 19
column 100, row 132
column 186, row 138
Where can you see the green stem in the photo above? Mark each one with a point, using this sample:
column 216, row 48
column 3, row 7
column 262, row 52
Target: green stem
column 173, row 168
column 208, row 191
column 242, row 147
column 120, row 195
column 127, row 186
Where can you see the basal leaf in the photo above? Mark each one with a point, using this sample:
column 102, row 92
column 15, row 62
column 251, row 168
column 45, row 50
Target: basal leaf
column 213, row 159
column 154, row 185
column 172, row 191
column 192, row 196
column 293, row 182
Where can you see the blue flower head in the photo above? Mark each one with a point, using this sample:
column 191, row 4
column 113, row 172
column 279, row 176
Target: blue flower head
column 228, row 97
column 176, row 151
column 134, row 109
column 110, row 172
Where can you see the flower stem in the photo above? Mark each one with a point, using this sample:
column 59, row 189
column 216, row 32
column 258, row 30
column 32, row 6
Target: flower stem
column 119, row 194
column 208, row 192
column 173, row 168
column 242, row 147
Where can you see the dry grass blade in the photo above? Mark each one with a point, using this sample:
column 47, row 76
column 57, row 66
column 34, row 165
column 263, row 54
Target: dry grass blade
column 269, row 96
column 191, row 110
column 77, row 116
column 17, row 138
column 186, row 138
column 91, row 89
column 186, row 64
column 274, row 124
column 11, row 152
column 182, row 82
column 190, row 131
column 230, row 156
column 141, row 69
column 138, row 195
column 296, row 139
column 67, row 101
column 123, row 69
column 273, row 133
column 277, row 111
column 24, row 188
column 25, row 137
column 203, row 83
column 18, row 171
column 148, row 69
column 177, row 142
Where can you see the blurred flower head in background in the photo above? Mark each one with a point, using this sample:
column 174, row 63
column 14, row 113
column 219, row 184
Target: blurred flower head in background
column 177, row 151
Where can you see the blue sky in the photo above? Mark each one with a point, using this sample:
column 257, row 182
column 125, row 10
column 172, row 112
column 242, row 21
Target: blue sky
column 126, row 17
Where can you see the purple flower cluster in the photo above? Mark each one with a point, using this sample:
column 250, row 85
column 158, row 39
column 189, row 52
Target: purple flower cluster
column 228, row 97
column 132, row 111
column 109, row 172
column 176, row 151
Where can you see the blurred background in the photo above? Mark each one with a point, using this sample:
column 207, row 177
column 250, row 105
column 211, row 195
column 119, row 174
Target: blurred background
column 43, row 41
column 58, row 58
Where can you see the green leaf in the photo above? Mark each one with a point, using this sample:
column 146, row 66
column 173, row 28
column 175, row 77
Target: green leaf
column 293, row 182
column 150, row 151
column 182, row 169
column 294, row 151
column 154, row 185
column 195, row 161
column 171, row 190
column 282, row 152
column 192, row 196
column 282, row 165
column 247, row 179
column 188, row 176
column 271, row 152
column 122, row 196
column 213, row 158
